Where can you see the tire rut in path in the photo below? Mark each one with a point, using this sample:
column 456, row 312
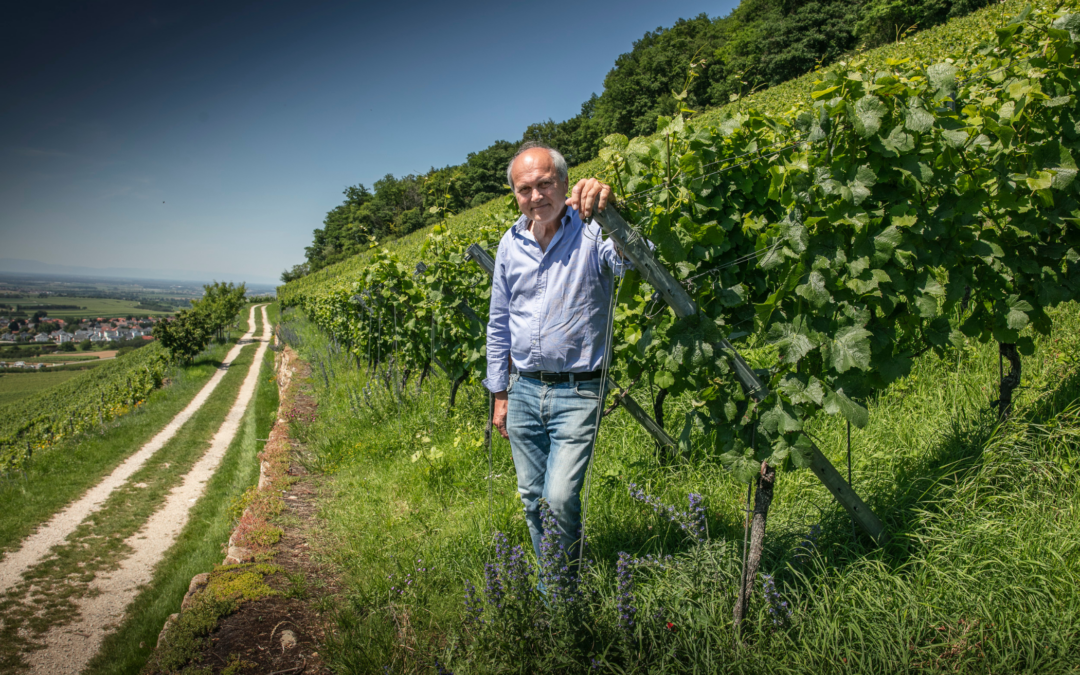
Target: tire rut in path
column 70, row 647
column 58, row 528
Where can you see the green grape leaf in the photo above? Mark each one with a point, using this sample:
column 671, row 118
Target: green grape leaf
column 741, row 463
column 926, row 306
column 803, row 389
column 917, row 119
column 868, row 113
column 801, row 452
column 732, row 297
column 987, row 250
column 942, row 77
column 794, row 340
column 1055, row 157
column 956, row 138
column 888, row 239
column 899, row 142
column 850, row 349
column 684, row 437
column 780, row 452
column 838, row 402
column 814, row 290
column 1017, row 317
column 780, row 420
column 1071, row 23
column 1025, row 345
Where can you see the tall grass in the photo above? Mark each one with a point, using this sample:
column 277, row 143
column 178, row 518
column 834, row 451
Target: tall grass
column 979, row 575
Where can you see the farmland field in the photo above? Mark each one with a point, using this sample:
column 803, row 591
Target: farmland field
column 59, row 358
column 14, row 386
column 89, row 307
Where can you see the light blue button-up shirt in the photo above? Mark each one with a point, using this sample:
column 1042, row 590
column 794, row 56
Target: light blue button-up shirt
column 549, row 308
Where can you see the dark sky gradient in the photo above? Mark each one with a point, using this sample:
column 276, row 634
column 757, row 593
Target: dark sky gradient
column 214, row 136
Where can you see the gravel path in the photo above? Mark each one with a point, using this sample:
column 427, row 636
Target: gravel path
column 69, row 648
column 35, row 547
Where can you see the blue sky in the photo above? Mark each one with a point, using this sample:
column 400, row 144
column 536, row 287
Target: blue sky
column 214, row 136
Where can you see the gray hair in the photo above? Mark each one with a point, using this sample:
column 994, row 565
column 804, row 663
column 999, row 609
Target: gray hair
column 556, row 158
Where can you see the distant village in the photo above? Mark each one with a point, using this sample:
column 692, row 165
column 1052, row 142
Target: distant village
column 44, row 330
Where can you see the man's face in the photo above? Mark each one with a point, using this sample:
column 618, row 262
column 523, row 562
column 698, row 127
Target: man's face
column 541, row 196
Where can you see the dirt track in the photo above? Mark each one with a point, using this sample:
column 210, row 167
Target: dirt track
column 68, row 648
column 35, row 547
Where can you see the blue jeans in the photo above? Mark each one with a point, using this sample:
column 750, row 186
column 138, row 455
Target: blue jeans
column 551, row 429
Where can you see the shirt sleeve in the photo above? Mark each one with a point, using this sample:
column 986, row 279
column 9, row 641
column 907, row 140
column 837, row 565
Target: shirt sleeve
column 498, row 329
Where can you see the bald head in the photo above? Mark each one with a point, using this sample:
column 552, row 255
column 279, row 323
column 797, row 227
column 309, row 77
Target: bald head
column 531, row 161
column 534, row 148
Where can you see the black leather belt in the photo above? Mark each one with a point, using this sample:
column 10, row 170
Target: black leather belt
column 553, row 378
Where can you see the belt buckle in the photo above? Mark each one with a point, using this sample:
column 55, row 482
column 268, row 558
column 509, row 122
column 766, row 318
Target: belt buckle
column 548, row 377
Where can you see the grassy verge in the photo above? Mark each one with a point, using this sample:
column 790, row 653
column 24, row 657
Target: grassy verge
column 199, row 546
column 979, row 575
column 61, row 474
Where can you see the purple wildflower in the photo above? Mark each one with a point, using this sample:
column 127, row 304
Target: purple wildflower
column 625, row 599
column 473, row 608
column 778, row 608
column 692, row 522
column 557, row 573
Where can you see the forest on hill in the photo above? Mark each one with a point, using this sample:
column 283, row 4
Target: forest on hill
column 759, row 44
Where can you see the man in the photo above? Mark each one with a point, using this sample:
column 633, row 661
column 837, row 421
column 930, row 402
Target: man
column 545, row 340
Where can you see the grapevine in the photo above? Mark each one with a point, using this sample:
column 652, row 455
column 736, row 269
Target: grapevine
column 79, row 405
column 895, row 210
column 844, row 251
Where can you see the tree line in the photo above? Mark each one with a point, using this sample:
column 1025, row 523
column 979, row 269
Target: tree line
column 759, row 44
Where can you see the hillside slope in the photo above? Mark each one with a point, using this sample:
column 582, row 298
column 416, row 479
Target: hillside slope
column 956, row 35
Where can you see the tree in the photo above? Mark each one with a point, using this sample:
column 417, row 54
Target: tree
column 297, row 272
column 220, row 304
column 185, row 336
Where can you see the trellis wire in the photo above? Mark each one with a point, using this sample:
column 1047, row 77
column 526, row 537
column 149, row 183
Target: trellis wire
column 609, row 330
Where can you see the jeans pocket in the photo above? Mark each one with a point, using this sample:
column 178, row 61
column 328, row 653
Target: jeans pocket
column 590, row 389
column 513, row 378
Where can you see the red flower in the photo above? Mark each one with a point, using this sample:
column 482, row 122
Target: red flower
column 672, row 627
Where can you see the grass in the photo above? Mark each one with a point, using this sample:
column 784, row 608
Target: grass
column 62, row 473
column 979, row 575
column 14, row 386
column 199, row 546
column 65, row 357
column 96, row 545
column 88, row 307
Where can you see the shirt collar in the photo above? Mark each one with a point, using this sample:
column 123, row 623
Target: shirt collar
column 570, row 218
